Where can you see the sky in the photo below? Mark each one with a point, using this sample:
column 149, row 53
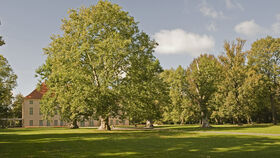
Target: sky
column 184, row 29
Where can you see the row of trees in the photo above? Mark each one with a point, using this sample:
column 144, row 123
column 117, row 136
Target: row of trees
column 236, row 87
column 102, row 66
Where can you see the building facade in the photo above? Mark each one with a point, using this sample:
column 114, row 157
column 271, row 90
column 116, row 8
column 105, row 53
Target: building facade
column 32, row 116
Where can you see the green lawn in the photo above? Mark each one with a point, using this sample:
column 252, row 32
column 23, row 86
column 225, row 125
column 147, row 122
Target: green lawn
column 164, row 141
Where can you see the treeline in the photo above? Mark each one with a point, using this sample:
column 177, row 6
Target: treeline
column 102, row 66
column 236, row 87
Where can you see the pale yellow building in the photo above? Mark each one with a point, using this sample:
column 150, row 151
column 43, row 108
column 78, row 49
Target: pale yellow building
column 32, row 117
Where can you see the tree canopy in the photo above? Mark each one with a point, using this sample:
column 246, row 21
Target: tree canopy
column 7, row 84
column 203, row 76
column 264, row 57
column 99, row 54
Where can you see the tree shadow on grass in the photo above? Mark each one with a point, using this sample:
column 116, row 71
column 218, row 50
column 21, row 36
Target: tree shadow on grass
column 192, row 128
column 137, row 144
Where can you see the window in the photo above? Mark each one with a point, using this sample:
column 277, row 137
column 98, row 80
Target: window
column 55, row 123
column 91, row 123
column 61, row 123
column 82, row 123
column 30, row 122
column 41, row 123
column 31, row 111
column 30, row 101
column 123, row 122
column 117, row 122
column 48, row 123
column 111, row 122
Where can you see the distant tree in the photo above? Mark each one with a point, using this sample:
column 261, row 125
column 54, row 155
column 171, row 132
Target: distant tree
column 203, row 76
column 264, row 57
column 180, row 109
column 16, row 106
column 100, row 51
column 7, row 83
column 1, row 41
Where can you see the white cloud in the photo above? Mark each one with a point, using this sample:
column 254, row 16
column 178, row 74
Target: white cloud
column 211, row 27
column 232, row 5
column 249, row 28
column 210, row 12
column 178, row 41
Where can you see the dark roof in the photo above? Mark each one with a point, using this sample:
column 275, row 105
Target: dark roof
column 37, row 93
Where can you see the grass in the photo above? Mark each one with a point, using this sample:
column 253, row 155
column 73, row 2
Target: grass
column 164, row 141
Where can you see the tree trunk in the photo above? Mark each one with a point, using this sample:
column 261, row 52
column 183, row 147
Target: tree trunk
column 204, row 120
column 74, row 124
column 248, row 120
column 216, row 120
column 150, row 124
column 182, row 121
column 273, row 110
column 239, row 123
column 104, row 124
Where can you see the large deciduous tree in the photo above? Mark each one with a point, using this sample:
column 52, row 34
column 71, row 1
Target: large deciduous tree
column 264, row 57
column 234, row 76
column 203, row 75
column 100, row 52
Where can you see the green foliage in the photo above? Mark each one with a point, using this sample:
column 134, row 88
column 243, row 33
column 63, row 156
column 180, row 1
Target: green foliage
column 144, row 92
column 1, row 41
column 7, row 83
column 264, row 58
column 230, row 98
column 180, row 109
column 16, row 106
column 99, row 55
column 203, row 76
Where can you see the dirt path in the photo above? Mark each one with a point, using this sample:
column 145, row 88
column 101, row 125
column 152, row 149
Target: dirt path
column 237, row 133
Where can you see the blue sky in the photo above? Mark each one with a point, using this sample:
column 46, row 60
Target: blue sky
column 183, row 28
